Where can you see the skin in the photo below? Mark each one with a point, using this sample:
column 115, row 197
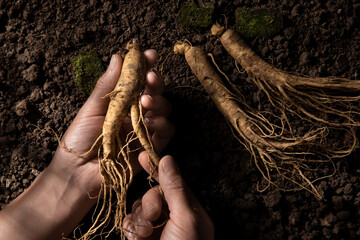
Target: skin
column 187, row 218
column 59, row 198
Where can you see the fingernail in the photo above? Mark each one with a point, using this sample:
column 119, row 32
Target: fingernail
column 151, row 99
column 143, row 228
column 169, row 164
column 112, row 63
column 129, row 228
column 144, row 99
column 148, row 120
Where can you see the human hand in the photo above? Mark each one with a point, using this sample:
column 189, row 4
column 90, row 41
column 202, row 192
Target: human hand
column 87, row 126
column 59, row 197
column 187, row 218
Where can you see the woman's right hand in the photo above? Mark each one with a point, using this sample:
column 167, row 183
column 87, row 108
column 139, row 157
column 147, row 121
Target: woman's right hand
column 187, row 220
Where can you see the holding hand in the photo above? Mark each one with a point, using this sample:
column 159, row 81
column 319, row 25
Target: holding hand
column 187, row 218
column 87, row 125
column 58, row 199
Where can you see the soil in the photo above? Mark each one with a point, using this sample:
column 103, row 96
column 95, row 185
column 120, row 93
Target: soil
column 39, row 38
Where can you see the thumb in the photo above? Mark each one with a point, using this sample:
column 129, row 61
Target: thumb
column 173, row 185
column 96, row 105
column 108, row 80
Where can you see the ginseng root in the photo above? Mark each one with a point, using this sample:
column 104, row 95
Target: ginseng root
column 114, row 153
column 275, row 151
column 332, row 101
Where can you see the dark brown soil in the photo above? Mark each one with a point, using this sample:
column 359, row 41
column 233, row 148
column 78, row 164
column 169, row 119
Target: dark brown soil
column 39, row 38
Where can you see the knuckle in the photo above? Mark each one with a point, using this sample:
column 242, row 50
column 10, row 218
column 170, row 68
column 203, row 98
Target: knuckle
column 177, row 184
column 192, row 219
column 101, row 83
column 165, row 128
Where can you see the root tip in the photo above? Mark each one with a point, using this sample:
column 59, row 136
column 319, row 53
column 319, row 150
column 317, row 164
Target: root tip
column 134, row 44
column 217, row 30
column 181, row 48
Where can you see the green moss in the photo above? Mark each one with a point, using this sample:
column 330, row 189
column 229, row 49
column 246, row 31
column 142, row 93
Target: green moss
column 257, row 22
column 193, row 17
column 88, row 69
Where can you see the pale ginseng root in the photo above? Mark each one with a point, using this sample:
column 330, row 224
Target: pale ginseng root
column 275, row 151
column 332, row 101
column 114, row 154
column 117, row 176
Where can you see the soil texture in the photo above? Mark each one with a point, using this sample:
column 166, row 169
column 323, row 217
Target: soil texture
column 39, row 38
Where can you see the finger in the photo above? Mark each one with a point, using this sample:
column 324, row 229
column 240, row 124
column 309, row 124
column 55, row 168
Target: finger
column 151, row 58
column 144, row 162
column 151, row 204
column 136, row 209
column 138, row 223
column 163, row 131
column 96, row 104
column 160, row 127
column 143, row 228
column 175, row 190
column 129, row 228
column 153, row 84
column 157, row 104
column 136, row 228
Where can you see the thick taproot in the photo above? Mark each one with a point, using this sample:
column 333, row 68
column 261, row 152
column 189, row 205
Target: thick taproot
column 126, row 93
column 246, row 57
column 222, row 97
column 236, row 46
column 224, row 100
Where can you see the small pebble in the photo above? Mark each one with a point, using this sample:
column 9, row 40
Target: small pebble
column 22, row 108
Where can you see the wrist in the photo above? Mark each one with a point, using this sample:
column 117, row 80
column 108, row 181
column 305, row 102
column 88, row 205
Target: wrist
column 66, row 193
column 50, row 209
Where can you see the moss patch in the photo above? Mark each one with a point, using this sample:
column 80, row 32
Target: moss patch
column 193, row 17
column 88, row 69
column 257, row 22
